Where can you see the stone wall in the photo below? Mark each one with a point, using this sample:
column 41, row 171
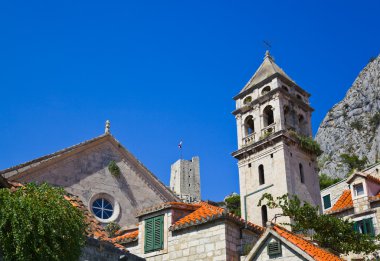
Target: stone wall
column 287, row 254
column 185, row 179
column 85, row 174
column 216, row 240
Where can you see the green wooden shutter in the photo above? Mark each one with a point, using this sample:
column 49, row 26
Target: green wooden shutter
column 356, row 227
column 368, row 224
column 158, row 232
column 154, row 234
column 326, row 201
column 149, row 231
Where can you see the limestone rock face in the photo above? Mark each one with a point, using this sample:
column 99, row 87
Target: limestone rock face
column 352, row 126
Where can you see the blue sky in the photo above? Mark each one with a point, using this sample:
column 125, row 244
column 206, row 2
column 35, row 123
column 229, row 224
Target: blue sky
column 162, row 71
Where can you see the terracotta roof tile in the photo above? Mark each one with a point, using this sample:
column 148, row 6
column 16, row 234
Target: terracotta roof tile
column 177, row 205
column 312, row 250
column 127, row 237
column 344, row 202
column 373, row 179
column 207, row 212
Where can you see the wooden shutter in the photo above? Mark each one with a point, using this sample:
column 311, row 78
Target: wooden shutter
column 368, row 224
column 149, row 231
column 154, row 234
column 158, row 232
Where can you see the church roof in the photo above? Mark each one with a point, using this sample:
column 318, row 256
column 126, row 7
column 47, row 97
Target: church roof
column 267, row 69
column 25, row 168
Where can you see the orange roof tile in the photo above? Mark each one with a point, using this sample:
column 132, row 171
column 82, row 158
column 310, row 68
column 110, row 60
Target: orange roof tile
column 165, row 205
column 207, row 212
column 127, row 237
column 312, row 250
column 343, row 203
column 373, row 179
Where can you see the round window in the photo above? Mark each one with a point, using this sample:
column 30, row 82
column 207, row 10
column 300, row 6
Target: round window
column 102, row 208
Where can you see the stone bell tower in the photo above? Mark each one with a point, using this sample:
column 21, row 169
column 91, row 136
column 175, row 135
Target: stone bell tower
column 272, row 112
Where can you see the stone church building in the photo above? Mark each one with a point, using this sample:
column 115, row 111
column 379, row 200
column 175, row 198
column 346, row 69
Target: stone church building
column 82, row 170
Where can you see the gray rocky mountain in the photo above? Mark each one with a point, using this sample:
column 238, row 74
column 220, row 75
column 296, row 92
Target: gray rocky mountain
column 352, row 126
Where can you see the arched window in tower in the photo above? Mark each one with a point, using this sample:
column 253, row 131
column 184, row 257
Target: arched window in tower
column 265, row 90
column 285, row 88
column 302, row 125
column 247, row 100
column 286, row 114
column 302, row 177
column 249, row 126
column 264, row 215
column 268, row 116
column 261, row 175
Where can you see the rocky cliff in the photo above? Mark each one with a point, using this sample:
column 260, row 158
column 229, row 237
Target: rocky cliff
column 352, row 126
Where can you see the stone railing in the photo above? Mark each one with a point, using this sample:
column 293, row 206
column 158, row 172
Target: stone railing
column 251, row 138
column 268, row 130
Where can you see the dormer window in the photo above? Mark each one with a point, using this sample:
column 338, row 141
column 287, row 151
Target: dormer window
column 265, row 90
column 358, row 189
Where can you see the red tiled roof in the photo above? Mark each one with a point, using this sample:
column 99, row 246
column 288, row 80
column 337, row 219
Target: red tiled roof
column 312, row 250
column 207, row 212
column 343, row 203
column 373, row 179
column 165, row 205
column 375, row 197
column 127, row 237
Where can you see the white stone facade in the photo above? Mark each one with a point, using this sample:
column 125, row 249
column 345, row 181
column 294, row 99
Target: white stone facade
column 185, row 179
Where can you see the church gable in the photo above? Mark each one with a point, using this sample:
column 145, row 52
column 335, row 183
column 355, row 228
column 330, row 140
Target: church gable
column 83, row 171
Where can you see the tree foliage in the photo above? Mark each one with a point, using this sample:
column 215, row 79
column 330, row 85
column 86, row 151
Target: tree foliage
column 307, row 143
column 114, row 169
column 112, row 228
column 326, row 181
column 354, row 162
column 233, row 204
column 37, row 223
column 329, row 231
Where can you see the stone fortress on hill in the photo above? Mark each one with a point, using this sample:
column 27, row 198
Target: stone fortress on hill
column 159, row 222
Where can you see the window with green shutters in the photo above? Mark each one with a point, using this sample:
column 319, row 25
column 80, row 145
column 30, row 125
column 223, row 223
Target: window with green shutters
column 154, row 234
column 365, row 226
column 326, row 202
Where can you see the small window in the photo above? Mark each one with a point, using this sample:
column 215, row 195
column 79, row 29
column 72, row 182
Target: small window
column 268, row 115
column 249, row 126
column 261, row 175
column 274, row 248
column 302, row 177
column 249, row 165
column 326, row 201
column 285, row 88
column 154, row 234
column 271, row 155
column 359, row 189
column 265, row 90
column 299, row 97
column 264, row 215
column 365, row 226
column 102, row 208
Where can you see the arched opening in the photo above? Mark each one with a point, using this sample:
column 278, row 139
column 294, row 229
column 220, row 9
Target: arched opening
column 285, row 88
column 286, row 114
column 249, row 126
column 302, row 125
column 268, row 115
column 302, row 177
column 261, row 175
column 299, row 97
column 264, row 215
column 265, row 90
column 247, row 100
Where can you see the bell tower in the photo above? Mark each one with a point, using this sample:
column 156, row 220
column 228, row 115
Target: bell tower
column 273, row 115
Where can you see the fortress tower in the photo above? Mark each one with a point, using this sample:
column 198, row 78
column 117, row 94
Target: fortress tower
column 272, row 113
column 185, row 179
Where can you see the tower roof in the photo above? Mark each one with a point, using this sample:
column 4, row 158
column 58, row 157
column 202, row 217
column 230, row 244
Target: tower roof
column 267, row 69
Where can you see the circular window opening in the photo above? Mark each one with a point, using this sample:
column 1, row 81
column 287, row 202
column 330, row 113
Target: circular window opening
column 102, row 208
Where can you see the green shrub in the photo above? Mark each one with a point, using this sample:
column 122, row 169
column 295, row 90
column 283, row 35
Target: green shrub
column 375, row 120
column 112, row 228
column 357, row 125
column 326, row 181
column 114, row 169
column 307, row 143
column 233, row 204
column 38, row 223
column 353, row 161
